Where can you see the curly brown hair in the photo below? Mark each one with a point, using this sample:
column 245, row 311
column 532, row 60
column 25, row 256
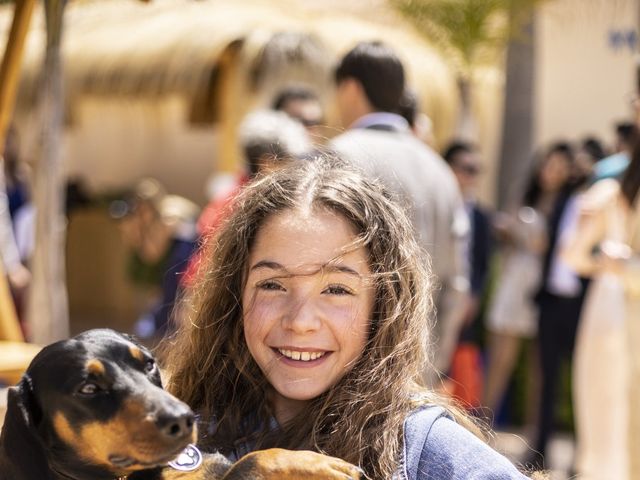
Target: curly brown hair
column 359, row 419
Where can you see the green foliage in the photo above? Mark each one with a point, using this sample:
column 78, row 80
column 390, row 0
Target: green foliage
column 469, row 32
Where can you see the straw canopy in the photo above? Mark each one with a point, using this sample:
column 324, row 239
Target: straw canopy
column 127, row 47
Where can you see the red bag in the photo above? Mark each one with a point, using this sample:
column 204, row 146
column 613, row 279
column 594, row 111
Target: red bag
column 467, row 375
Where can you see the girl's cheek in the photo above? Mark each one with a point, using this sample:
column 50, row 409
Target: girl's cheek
column 262, row 311
column 351, row 320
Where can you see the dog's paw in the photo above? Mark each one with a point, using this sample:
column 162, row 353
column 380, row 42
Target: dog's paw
column 282, row 464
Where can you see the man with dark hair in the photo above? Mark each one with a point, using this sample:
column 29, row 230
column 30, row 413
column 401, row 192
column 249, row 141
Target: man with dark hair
column 464, row 160
column 370, row 82
column 375, row 69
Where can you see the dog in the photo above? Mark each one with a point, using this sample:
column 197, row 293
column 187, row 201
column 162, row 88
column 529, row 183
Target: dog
column 93, row 408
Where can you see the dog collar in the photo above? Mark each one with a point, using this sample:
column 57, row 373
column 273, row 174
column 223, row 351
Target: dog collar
column 190, row 459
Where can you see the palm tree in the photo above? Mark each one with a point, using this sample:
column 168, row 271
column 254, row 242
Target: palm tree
column 475, row 33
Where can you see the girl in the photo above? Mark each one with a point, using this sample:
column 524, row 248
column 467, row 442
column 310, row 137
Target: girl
column 309, row 331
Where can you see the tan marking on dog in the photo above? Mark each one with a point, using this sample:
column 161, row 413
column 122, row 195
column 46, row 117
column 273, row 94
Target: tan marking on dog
column 74, row 440
column 131, row 433
column 136, row 353
column 289, row 465
column 95, row 367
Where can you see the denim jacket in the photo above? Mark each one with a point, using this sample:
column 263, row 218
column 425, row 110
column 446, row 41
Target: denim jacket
column 437, row 448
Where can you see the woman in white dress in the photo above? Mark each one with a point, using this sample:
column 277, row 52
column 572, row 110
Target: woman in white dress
column 605, row 246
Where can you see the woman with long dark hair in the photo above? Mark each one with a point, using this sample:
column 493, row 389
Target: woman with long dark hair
column 606, row 247
column 512, row 314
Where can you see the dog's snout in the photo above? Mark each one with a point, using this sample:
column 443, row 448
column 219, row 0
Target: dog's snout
column 175, row 423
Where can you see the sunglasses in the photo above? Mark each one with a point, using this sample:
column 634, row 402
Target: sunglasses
column 472, row 170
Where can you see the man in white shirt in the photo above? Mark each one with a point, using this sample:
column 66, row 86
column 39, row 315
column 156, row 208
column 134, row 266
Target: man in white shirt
column 370, row 81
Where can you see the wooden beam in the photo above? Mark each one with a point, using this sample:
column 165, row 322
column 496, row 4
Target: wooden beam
column 9, row 76
column 11, row 62
column 231, row 102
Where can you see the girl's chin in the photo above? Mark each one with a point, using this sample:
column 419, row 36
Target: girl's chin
column 295, row 397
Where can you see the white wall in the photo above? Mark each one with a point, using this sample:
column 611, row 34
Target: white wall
column 113, row 142
column 582, row 82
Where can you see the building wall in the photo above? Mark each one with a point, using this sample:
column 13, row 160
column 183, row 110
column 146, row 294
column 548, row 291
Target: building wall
column 583, row 74
column 115, row 141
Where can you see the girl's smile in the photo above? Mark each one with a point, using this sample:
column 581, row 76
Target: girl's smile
column 307, row 304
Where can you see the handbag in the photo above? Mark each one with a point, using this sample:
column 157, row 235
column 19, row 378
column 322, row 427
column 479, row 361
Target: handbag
column 466, row 375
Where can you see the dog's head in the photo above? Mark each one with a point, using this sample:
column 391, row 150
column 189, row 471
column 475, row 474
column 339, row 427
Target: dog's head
column 98, row 398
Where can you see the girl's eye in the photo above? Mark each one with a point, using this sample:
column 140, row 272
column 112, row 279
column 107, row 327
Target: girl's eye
column 337, row 290
column 88, row 389
column 270, row 285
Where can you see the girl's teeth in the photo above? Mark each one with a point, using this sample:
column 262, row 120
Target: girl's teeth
column 303, row 356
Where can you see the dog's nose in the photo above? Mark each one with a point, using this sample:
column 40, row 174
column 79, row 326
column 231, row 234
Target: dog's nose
column 175, row 424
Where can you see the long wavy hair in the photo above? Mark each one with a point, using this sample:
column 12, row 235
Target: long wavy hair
column 360, row 418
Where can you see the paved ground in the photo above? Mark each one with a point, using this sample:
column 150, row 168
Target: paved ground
column 514, row 445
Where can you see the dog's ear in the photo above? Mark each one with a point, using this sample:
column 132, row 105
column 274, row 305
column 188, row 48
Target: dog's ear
column 22, row 403
column 132, row 338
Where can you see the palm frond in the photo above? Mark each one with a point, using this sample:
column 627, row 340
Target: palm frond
column 469, row 32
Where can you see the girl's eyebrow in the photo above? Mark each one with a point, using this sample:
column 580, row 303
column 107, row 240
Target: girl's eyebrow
column 268, row 264
column 328, row 267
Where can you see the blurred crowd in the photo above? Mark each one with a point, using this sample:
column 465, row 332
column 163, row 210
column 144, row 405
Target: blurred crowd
column 532, row 301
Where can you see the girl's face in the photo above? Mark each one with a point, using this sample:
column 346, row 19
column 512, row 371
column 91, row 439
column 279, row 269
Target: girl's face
column 307, row 304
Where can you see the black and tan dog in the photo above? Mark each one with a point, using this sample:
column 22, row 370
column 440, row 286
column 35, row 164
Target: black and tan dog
column 93, row 408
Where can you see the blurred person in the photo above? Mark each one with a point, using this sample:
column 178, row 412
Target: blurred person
column 419, row 123
column 302, row 104
column 561, row 295
column 588, row 154
column 15, row 171
column 14, row 196
column 606, row 247
column 614, row 165
column 370, row 82
column 160, row 230
column 268, row 140
column 512, row 313
column 465, row 162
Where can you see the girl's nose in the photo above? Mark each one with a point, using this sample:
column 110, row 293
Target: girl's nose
column 302, row 317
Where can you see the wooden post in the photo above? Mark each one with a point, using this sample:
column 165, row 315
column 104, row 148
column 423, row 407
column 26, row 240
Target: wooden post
column 11, row 62
column 48, row 313
column 231, row 104
column 9, row 76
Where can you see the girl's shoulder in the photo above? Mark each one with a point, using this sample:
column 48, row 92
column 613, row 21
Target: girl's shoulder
column 436, row 447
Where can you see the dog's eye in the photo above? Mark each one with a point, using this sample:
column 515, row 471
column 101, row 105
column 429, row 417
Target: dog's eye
column 149, row 366
column 88, row 389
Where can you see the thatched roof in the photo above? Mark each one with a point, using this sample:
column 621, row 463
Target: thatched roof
column 173, row 46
